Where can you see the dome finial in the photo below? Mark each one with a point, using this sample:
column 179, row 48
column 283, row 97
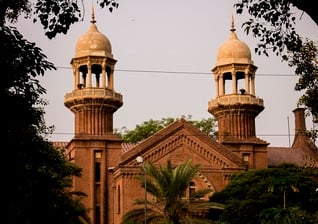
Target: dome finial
column 232, row 24
column 93, row 21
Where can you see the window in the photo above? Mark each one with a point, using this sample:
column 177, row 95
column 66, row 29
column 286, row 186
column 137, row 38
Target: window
column 98, row 156
column 97, row 215
column 191, row 189
column 118, row 199
column 246, row 160
column 97, row 172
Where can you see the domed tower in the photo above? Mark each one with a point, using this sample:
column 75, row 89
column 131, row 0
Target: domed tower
column 236, row 106
column 93, row 101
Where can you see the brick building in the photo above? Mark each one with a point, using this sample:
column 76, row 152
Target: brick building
column 109, row 165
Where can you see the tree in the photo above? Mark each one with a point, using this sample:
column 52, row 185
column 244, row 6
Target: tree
column 273, row 23
column 292, row 215
column 37, row 177
column 55, row 16
column 256, row 196
column 148, row 128
column 306, row 63
column 168, row 184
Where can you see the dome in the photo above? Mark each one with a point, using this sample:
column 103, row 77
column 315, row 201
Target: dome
column 93, row 43
column 233, row 51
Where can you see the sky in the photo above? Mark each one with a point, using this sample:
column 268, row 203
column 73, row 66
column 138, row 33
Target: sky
column 165, row 51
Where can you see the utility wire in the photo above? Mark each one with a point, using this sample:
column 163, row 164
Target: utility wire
column 258, row 135
column 182, row 73
column 177, row 72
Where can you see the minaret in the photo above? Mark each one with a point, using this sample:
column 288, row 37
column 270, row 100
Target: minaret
column 236, row 106
column 93, row 101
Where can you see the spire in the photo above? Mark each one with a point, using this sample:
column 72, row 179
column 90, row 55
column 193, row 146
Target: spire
column 232, row 25
column 93, row 21
column 233, row 35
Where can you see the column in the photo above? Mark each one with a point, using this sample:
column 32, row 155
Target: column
column 104, row 74
column 253, row 84
column 247, row 82
column 216, row 79
column 76, row 77
column 111, row 79
column 89, row 74
column 234, row 82
column 222, row 88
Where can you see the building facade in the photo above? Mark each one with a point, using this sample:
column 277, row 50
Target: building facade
column 109, row 166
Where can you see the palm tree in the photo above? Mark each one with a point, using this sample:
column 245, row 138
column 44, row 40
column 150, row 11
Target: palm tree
column 168, row 185
column 283, row 184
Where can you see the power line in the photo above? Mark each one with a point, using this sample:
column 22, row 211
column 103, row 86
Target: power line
column 177, row 72
column 258, row 135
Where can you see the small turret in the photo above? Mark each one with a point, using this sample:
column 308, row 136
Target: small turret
column 93, row 99
column 236, row 106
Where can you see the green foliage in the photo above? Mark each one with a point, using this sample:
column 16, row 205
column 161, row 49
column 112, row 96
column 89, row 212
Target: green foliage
column 56, row 17
column 257, row 196
column 37, row 176
column 307, row 70
column 207, row 126
column 148, row 128
column 273, row 23
column 168, row 184
column 144, row 130
column 11, row 10
column 292, row 215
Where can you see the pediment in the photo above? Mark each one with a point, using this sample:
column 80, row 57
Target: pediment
column 179, row 142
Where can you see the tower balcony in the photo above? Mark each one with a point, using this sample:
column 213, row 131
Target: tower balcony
column 233, row 99
column 93, row 97
column 235, row 102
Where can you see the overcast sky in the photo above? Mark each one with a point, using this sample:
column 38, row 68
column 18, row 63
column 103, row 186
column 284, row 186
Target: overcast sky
column 165, row 51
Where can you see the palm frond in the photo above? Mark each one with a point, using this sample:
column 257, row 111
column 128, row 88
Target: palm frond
column 168, row 184
column 134, row 216
column 200, row 193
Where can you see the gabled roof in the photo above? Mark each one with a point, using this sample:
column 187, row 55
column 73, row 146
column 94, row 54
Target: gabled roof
column 305, row 154
column 182, row 134
column 278, row 155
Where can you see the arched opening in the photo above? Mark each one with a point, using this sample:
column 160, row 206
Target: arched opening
column 240, row 83
column 96, row 75
column 227, row 77
column 82, row 76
